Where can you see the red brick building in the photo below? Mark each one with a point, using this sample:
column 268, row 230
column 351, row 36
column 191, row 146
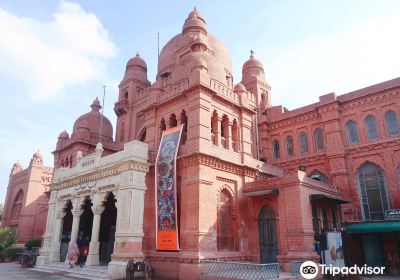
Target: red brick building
column 26, row 204
column 255, row 182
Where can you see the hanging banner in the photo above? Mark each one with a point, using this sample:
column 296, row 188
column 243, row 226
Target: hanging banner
column 166, row 200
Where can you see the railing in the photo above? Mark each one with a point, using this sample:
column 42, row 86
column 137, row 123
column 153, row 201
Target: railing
column 224, row 142
column 296, row 267
column 214, row 139
column 217, row 270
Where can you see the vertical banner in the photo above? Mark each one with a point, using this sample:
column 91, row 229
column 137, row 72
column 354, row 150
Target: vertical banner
column 166, row 200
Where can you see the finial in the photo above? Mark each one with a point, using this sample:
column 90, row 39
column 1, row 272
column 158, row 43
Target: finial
column 137, row 54
column 195, row 9
column 251, row 54
column 96, row 105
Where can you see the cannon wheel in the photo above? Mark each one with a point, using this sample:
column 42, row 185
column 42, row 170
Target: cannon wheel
column 148, row 269
column 130, row 270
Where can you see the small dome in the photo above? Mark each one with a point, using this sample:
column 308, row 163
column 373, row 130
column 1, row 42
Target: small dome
column 194, row 22
column 92, row 120
column 252, row 64
column 137, row 62
column 37, row 155
column 17, row 164
column 239, row 88
column 64, row 135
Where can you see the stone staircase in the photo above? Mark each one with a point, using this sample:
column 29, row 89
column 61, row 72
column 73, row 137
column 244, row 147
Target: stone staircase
column 87, row 272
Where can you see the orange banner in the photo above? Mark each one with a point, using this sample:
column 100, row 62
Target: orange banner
column 166, row 200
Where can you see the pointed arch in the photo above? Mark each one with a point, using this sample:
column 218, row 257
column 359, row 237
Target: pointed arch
column 276, row 149
column 225, row 221
column 319, row 140
column 289, row 146
column 373, row 192
column 392, row 124
column 303, row 143
column 17, row 205
column 371, row 128
column 352, row 132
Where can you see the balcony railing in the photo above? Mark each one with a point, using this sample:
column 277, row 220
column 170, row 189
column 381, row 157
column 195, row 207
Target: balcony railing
column 224, row 142
column 214, row 139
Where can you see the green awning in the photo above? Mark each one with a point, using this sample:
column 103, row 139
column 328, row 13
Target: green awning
column 373, row 227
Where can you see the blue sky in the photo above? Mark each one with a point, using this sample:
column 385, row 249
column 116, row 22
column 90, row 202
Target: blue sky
column 56, row 55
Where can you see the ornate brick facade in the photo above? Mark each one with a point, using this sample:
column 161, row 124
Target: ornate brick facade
column 26, row 204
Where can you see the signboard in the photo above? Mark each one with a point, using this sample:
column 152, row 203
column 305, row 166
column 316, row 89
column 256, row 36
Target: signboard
column 393, row 214
column 334, row 253
column 166, row 202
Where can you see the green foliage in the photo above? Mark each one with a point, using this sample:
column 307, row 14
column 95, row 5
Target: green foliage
column 11, row 253
column 7, row 238
column 33, row 243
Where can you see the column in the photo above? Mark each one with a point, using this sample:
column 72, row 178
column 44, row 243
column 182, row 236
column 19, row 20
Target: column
column 76, row 213
column 55, row 245
column 93, row 257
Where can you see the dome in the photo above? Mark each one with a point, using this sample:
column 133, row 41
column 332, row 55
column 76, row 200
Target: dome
column 137, row 62
column 64, row 135
column 37, row 155
column 194, row 22
column 91, row 121
column 178, row 55
column 252, row 64
column 239, row 88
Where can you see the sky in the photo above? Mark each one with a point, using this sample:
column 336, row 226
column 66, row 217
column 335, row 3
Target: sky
column 55, row 56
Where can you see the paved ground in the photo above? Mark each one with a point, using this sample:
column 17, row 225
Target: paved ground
column 13, row 271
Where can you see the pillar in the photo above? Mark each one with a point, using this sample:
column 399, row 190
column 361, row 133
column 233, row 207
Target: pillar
column 55, row 245
column 93, row 256
column 76, row 213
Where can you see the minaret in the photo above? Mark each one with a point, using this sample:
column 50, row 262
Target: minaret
column 253, row 78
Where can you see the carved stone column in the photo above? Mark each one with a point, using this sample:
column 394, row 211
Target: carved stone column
column 93, row 257
column 76, row 213
column 55, row 244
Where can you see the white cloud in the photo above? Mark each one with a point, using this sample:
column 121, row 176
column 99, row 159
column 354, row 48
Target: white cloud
column 45, row 57
column 339, row 62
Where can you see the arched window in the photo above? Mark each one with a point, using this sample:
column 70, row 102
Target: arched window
column 289, row 146
column 235, row 136
column 275, row 148
column 373, row 194
column 16, row 209
column 225, row 229
column 352, row 132
column 303, row 143
column 392, row 124
column 163, row 126
column 372, row 129
column 142, row 135
column 214, row 128
column 319, row 139
column 319, row 176
column 225, row 131
column 184, row 122
column 172, row 121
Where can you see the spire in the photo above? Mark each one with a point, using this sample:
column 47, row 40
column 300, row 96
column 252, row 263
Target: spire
column 96, row 105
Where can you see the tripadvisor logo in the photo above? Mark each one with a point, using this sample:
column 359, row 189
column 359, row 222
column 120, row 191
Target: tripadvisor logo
column 309, row 270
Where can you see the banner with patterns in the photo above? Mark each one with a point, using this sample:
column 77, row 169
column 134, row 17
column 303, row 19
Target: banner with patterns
column 166, row 199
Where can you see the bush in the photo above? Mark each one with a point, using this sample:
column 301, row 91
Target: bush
column 11, row 253
column 7, row 238
column 33, row 243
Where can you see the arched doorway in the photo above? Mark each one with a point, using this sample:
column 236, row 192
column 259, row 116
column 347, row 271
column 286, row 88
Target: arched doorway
column 268, row 235
column 66, row 231
column 107, row 229
column 85, row 222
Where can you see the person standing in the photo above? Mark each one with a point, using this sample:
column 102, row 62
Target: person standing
column 73, row 254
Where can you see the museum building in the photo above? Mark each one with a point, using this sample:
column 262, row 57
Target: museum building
column 253, row 182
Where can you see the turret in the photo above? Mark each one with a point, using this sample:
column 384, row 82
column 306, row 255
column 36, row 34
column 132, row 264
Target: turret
column 253, row 78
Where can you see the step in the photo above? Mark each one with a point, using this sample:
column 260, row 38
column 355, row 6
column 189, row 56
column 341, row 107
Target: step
column 84, row 273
